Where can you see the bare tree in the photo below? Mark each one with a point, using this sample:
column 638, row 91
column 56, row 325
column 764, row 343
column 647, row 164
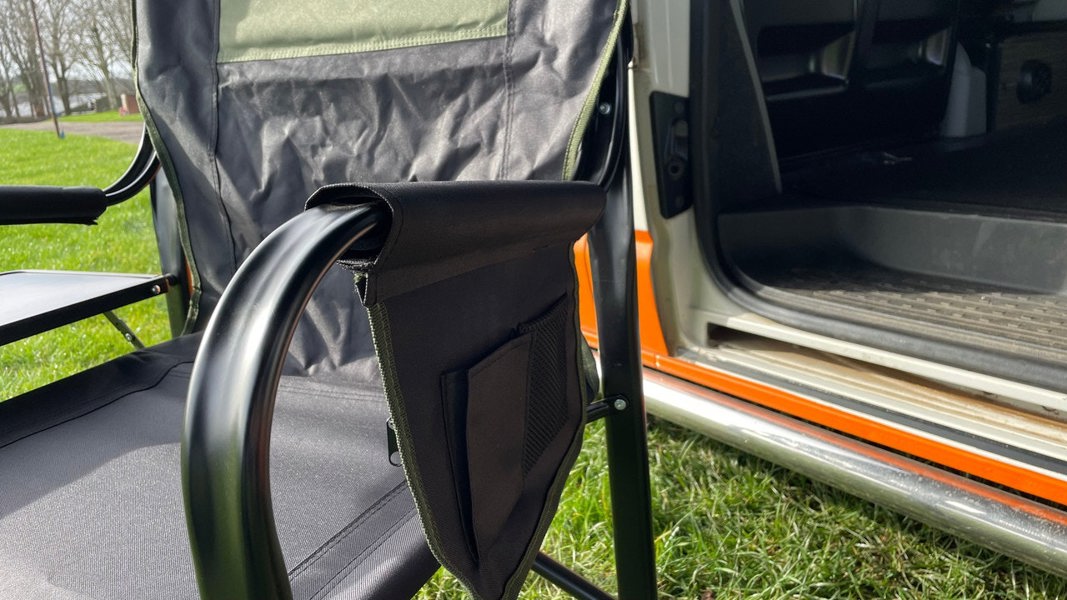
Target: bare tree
column 21, row 47
column 106, row 41
column 118, row 22
column 79, row 37
column 58, row 28
column 8, row 101
column 98, row 55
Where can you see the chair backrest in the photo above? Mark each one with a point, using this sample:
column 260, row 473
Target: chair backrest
column 253, row 105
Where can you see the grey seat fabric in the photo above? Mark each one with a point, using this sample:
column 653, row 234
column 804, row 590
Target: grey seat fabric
column 91, row 503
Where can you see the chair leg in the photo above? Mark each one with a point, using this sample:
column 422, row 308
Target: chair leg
column 611, row 244
column 567, row 580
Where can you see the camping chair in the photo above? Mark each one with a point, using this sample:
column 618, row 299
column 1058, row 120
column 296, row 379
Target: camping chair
column 285, row 457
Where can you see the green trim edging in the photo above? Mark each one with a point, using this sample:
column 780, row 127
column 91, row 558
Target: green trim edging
column 383, row 346
column 570, row 159
column 271, row 29
column 167, row 165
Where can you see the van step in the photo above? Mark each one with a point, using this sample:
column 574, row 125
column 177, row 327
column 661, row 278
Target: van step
column 1022, row 323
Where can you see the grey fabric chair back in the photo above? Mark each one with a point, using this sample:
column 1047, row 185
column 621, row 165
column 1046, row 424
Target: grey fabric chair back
column 254, row 104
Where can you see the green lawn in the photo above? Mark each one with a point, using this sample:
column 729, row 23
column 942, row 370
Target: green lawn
column 122, row 242
column 727, row 525
column 111, row 115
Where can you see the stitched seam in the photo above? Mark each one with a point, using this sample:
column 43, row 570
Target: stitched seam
column 171, row 174
column 509, row 89
column 374, row 509
column 379, row 321
column 333, row 49
column 372, row 292
column 108, row 403
column 345, row 570
column 582, row 121
column 215, row 93
column 515, row 580
column 340, row 536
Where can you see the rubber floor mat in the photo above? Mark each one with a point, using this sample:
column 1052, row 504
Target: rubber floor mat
column 1017, row 322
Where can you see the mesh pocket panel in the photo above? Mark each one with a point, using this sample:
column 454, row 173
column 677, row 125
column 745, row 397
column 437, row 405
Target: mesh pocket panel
column 546, row 408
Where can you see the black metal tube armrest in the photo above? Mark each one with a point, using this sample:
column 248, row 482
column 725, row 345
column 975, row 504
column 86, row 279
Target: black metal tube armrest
column 26, row 204
column 144, row 167
column 226, row 444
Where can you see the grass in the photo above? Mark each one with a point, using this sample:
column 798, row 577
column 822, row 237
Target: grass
column 122, row 242
column 103, row 117
column 727, row 525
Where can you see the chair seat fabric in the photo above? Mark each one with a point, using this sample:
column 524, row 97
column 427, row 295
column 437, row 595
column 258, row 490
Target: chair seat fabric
column 91, row 501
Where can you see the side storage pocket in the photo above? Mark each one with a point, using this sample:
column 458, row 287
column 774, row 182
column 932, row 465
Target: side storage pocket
column 485, row 420
column 501, row 416
column 495, row 423
column 472, row 304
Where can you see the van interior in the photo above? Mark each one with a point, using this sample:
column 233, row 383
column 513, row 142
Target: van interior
column 907, row 186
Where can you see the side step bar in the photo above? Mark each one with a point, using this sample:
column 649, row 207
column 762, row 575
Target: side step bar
column 1001, row 521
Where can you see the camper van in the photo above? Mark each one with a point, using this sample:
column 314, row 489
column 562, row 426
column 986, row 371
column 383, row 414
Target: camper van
column 852, row 215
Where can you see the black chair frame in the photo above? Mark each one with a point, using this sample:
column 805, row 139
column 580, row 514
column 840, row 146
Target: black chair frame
column 231, row 396
column 231, row 399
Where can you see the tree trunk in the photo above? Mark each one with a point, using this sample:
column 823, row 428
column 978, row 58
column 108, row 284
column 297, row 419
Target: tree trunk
column 31, row 81
column 5, row 99
column 63, row 87
column 112, row 91
column 6, row 89
column 99, row 58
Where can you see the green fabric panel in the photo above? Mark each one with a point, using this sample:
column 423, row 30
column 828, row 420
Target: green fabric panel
column 273, row 29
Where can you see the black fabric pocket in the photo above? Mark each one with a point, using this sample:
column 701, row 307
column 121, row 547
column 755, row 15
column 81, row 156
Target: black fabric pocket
column 497, row 394
column 485, row 420
column 500, row 417
column 472, row 310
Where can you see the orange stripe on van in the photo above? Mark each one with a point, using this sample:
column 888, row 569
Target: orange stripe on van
column 652, row 341
column 1013, row 476
column 651, row 330
column 586, row 305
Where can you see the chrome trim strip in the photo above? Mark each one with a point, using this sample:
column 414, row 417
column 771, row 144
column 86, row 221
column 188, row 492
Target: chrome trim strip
column 1010, row 524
